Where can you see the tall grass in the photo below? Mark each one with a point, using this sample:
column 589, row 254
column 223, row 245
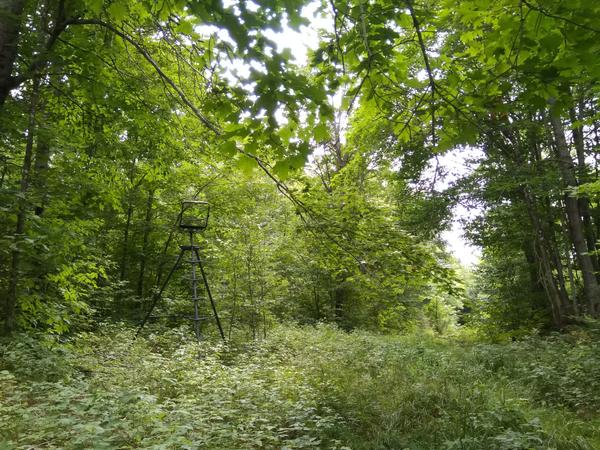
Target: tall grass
column 313, row 387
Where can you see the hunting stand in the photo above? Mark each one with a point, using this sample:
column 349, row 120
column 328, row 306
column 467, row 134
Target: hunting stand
column 192, row 219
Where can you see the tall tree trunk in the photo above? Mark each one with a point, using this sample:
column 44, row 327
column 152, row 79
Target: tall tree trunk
column 10, row 307
column 234, row 302
column 532, row 264
column 550, row 286
column 40, row 180
column 584, row 202
column 565, row 163
column 317, row 301
column 571, row 273
column 555, row 292
column 125, row 243
column 145, row 239
column 124, row 264
column 11, row 17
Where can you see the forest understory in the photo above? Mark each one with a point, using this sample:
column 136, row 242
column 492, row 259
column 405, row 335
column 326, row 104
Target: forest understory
column 301, row 387
column 307, row 160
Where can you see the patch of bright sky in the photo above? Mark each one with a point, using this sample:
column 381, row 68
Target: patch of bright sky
column 300, row 42
column 453, row 165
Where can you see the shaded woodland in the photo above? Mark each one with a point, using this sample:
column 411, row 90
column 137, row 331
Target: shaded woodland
column 329, row 197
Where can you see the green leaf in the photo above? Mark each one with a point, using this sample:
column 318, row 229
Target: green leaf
column 185, row 27
column 281, row 169
column 321, row 132
column 245, row 164
column 95, row 6
column 552, row 40
column 229, row 148
column 118, row 11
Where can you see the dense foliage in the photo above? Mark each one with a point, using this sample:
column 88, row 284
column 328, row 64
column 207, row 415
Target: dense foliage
column 330, row 190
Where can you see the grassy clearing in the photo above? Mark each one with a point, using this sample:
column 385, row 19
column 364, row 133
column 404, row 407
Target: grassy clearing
column 301, row 388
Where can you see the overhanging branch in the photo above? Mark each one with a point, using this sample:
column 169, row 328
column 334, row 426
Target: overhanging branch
column 142, row 51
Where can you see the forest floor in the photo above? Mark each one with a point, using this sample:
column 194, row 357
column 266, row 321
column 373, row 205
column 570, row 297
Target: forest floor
column 311, row 387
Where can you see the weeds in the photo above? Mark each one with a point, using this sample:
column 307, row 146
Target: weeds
column 302, row 388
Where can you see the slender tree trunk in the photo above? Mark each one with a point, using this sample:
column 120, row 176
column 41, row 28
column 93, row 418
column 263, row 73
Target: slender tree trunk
column 584, row 202
column 555, row 292
column 40, row 180
column 10, row 308
column 532, row 263
column 570, row 259
column 571, row 274
column 145, row 239
column 555, row 254
column 234, row 304
column 125, row 243
column 590, row 284
column 317, row 301
column 550, row 285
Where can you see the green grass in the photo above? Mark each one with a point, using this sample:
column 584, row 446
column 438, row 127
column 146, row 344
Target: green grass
column 301, row 388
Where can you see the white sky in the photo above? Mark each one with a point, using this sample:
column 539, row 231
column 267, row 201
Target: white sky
column 308, row 37
column 456, row 164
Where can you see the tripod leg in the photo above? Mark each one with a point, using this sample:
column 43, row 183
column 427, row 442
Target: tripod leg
column 210, row 297
column 195, row 294
column 158, row 295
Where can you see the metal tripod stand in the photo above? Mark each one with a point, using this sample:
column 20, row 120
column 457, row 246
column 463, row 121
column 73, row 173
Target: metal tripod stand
column 196, row 262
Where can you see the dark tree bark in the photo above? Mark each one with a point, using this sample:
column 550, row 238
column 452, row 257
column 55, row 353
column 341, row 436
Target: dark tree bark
column 555, row 291
column 584, row 202
column 576, row 228
column 40, row 179
column 145, row 240
column 234, row 296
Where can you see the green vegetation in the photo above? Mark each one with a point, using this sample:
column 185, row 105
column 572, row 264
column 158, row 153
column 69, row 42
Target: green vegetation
column 309, row 387
column 332, row 180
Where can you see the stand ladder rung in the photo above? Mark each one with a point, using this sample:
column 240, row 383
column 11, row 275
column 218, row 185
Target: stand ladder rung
column 171, row 316
column 189, row 247
column 179, row 316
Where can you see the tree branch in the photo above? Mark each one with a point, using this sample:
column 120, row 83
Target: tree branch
column 142, row 51
column 547, row 13
column 427, row 64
